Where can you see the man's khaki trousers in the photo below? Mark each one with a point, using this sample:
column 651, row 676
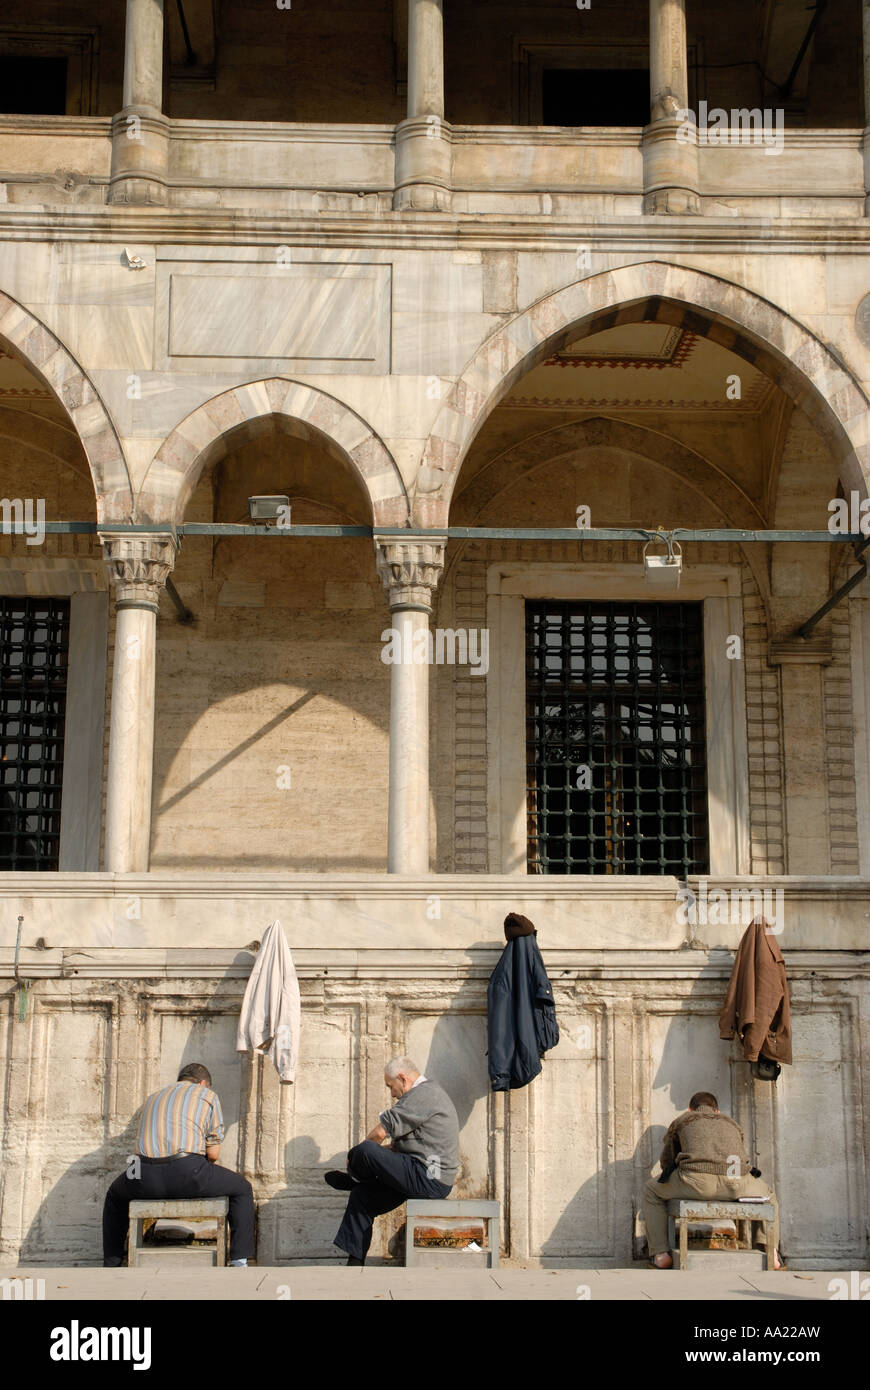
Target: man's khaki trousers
column 708, row 1187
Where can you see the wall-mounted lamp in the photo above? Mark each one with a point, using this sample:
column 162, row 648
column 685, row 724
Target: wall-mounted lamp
column 268, row 510
column 663, row 570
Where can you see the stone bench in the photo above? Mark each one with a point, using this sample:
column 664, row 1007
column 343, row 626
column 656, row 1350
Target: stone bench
column 745, row 1215
column 449, row 1216
column 179, row 1209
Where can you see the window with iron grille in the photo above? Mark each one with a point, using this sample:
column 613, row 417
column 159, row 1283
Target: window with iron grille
column 616, row 743
column 34, row 648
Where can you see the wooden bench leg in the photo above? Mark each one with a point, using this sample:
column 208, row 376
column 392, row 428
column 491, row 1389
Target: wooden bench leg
column 221, row 1252
column 684, row 1243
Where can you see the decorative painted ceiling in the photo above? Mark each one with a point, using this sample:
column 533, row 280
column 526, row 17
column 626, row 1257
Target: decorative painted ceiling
column 18, row 384
column 643, row 366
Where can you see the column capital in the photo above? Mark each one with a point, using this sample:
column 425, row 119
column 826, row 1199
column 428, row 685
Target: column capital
column 138, row 565
column 410, row 569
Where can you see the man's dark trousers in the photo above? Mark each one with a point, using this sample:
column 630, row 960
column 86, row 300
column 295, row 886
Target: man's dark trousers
column 189, row 1176
column 385, row 1180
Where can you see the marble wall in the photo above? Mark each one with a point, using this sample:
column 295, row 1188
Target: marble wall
column 175, row 337
column 566, row 1156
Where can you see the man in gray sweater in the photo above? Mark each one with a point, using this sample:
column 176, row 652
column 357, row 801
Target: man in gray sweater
column 703, row 1156
column 422, row 1160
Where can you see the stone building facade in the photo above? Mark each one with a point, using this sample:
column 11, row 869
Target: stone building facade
column 422, row 270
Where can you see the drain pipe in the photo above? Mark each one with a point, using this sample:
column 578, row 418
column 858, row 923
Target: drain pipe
column 851, row 583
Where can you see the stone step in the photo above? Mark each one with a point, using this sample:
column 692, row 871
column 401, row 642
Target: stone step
column 746, row 1261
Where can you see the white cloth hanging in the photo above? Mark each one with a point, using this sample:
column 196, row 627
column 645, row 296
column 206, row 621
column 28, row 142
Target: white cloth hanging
column 271, row 1007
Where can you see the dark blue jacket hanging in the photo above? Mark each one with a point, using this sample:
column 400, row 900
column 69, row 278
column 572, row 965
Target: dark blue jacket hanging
column 521, row 1013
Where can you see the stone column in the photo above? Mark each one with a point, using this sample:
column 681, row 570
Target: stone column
column 670, row 152
column 410, row 571
column 138, row 568
column 140, row 131
column 423, row 142
column 425, row 58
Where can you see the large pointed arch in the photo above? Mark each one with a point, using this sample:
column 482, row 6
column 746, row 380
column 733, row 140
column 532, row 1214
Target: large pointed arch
column 649, row 446
column 28, row 339
column 748, row 325
column 219, row 425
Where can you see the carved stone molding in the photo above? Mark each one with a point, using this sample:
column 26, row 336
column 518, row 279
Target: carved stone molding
column 138, row 567
column 801, row 651
column 410, row 570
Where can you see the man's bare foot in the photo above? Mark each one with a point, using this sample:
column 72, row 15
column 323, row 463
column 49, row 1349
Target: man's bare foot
column 663, row 1261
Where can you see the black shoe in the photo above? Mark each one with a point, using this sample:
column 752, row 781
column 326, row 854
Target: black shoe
column 352, row 1260
column 343, row 1182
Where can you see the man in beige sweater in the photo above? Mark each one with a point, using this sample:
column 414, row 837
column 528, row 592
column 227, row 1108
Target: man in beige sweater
column 703, row 1156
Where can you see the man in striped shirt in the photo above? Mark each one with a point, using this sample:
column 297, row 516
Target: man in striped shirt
column 179, row 1146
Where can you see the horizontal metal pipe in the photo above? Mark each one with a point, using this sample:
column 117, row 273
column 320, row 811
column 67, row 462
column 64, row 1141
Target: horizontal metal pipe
column 481, row 533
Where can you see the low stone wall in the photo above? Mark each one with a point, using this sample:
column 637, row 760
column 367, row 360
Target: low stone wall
column 637, row 993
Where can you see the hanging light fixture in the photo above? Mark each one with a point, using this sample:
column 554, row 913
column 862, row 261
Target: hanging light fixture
column 663, row 569
column 268, row 510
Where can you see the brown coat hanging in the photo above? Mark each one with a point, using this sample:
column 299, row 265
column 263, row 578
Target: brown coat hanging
column 757, row 1006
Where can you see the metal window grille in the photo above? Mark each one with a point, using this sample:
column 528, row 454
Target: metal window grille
column 34, row 648
column 616, row 743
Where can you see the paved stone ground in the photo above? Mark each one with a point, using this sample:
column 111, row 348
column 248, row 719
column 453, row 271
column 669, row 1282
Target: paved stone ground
column 164, row 1280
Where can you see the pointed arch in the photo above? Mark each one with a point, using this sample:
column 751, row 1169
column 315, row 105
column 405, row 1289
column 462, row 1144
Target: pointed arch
column 219, row 425
column 28, row 339
column 743, row 322
column 735, row 507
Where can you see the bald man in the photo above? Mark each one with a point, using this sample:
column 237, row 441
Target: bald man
column 422, row 1159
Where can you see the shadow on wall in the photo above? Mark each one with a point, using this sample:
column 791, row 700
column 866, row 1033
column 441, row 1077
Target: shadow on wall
column 450, row 1046
column 602, row 1211
column 683, row 1053
column 67, row 1227
column 296, row 1223
column 453, row 1043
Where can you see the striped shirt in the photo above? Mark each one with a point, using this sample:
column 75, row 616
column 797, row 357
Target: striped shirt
column 182, row 1118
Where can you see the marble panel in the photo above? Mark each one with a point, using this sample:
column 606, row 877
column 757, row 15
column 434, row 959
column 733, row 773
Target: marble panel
column 254, row 317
